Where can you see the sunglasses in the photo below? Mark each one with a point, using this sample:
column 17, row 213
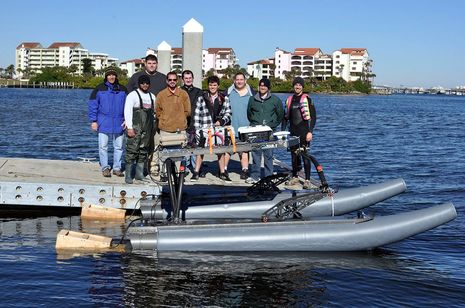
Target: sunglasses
column 172, row 79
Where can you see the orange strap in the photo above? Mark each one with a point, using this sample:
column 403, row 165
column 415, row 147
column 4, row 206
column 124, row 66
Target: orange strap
column 233, row 139
column 210, row 141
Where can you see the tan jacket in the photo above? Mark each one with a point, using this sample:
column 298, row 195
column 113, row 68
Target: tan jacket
column 173, row 110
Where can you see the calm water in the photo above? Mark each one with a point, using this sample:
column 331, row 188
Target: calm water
column 358, row 139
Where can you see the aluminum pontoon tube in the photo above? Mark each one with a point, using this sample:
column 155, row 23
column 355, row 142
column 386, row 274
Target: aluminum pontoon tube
column 322, row 235
column 345, row 201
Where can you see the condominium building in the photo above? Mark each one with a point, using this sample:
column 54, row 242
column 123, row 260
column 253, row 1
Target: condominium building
column 35, row 57
column 307, row 62
column 218, row 59
column 261, row 69
column 212, row 58
column 350, row 63
column 132, row 66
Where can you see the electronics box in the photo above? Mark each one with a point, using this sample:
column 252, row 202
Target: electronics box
column 257, row 133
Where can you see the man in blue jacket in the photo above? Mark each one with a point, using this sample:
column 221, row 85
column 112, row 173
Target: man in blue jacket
column 106, row 114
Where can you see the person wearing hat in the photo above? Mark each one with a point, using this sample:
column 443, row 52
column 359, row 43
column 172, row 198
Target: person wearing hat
column 301, row 117
column 263, row 108
column 139, row 117
column 106, row 114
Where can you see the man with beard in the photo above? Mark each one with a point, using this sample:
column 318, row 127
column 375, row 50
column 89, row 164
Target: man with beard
column 139, row 117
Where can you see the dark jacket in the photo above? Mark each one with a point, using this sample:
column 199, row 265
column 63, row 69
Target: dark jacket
column 268, row 111
column 157, row 81
column 106, row 107
column 194, row 94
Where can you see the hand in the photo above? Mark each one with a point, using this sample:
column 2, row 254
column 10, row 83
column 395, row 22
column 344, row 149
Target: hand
column 131, row 133
column 309, row 137
column 94, row 126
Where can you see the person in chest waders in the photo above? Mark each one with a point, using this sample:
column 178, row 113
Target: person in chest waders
column 139, row 117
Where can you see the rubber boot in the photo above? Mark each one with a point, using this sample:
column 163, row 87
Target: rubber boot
column 140, row 171
column 128, row 173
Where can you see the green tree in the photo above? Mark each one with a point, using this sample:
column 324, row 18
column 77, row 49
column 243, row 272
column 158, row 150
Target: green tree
column 294, row 72
column 53, row 74
column 87, row 68
column 10, row 70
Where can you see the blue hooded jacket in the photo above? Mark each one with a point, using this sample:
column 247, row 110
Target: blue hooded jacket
column 106, row 107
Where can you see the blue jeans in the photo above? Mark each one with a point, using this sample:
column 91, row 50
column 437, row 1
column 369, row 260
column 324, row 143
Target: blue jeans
column 118, row 149
column 255, row 170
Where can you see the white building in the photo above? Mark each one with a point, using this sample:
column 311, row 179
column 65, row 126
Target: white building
column 282, row 60
column 261, row 68
column 212, row 58
column 35, row 57
column 310, row 62
column 218, row 59
column 132, row 66
column 350, row 63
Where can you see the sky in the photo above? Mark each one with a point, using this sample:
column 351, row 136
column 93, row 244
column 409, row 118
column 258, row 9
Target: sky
column 411, row 42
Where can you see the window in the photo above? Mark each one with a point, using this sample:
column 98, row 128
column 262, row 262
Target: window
column 354, row 63
column 337, row 62
column 338, row 56
column 354, row 68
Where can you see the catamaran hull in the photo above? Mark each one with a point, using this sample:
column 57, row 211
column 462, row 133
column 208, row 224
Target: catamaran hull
column 343, row 202
column 317, row 235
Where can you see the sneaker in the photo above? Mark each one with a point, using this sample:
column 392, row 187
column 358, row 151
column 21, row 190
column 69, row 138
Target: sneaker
column 195, row 176
column 106, row 173
column 225, row 177
column 118, row 173
column 307, row 184
column 244, row 174
column 251, row 180
column 293, row 181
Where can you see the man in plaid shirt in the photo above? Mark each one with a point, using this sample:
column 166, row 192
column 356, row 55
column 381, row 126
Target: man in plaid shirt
column 212, row 110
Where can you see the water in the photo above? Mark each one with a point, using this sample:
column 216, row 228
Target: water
column 358, row 139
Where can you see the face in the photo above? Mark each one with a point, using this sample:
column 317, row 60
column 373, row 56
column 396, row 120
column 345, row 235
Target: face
column 188, row 79
column 262, row 89
column 239, row 82
column 213, row 88
column 111, row 78
column 298, row 88
column 171, row 80
column 151, row 66
column 144, row 87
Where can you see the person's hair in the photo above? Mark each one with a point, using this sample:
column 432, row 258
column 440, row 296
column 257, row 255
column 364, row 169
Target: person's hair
column 151, row 57
column 239, row 73
column 213, row 79
column 172, row 73
column 187, row 72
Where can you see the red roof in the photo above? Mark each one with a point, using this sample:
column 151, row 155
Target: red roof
column 354, row 51
column 217, row 50
column 306, row 51
column 264, row 61
column 28, row 45
column 64, row 44
column 176, row 50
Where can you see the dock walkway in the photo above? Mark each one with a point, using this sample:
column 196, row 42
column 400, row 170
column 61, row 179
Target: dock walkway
column 67, row 183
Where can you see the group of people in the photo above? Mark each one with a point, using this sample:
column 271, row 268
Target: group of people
column 152, row 102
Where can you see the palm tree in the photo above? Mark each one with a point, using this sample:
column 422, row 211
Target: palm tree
column 10, row 70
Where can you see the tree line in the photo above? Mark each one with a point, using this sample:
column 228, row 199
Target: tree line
column 90, row 78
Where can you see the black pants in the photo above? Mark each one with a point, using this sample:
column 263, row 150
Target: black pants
column 296, row 159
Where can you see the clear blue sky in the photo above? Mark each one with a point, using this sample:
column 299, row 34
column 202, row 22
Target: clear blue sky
column 412, row 43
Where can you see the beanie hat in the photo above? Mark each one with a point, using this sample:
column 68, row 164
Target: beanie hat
column 266, row 82
column 298, row 80
column 110, row 71
column 143, row 79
